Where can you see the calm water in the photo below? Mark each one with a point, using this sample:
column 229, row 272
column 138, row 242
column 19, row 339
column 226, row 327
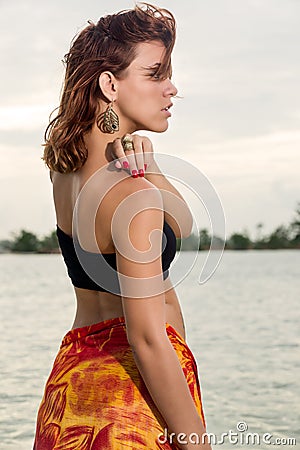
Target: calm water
column 242, row 326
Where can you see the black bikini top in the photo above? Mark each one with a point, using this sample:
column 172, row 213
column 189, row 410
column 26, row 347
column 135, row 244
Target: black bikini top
column 97, row 274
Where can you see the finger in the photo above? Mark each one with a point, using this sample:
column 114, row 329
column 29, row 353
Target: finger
column 130, row 155
column 119, row 154
column 139, row 154
column 148, row 152
column 118, row 165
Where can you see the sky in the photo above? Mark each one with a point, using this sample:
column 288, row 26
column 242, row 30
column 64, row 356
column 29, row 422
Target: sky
column 236, row 64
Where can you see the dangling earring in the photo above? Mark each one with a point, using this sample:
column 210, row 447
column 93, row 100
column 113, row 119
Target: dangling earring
column 108, row 121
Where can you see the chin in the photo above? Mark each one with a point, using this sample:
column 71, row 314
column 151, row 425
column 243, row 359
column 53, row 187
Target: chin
column 163, row 129
column 158, row 128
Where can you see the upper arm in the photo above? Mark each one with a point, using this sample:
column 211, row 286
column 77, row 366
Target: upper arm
column 177, row 212
column 137, row 233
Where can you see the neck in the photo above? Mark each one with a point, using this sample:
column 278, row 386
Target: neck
column 98, row 142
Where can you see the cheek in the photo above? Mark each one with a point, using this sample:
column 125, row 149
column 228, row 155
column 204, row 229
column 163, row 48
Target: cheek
column 140, row 102
column 136, row 105
column 128, row 99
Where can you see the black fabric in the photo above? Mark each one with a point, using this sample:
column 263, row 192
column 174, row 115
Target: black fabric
column 97, row 268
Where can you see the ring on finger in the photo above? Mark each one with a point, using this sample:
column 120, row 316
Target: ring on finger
column 126, row 139
column 128, row 145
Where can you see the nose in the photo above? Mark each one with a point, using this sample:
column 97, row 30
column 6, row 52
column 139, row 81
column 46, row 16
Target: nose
column 170, row 89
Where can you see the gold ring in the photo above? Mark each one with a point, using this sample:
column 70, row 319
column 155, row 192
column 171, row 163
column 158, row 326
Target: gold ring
column 127, row 145
column 127, row 139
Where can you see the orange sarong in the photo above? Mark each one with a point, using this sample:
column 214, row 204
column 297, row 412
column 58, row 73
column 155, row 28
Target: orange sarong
column 95, row 397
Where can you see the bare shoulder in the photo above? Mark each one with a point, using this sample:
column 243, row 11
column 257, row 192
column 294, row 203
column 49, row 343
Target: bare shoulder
column 137, row 192
column 138, row 209
column 131, row 185
column 113, row 201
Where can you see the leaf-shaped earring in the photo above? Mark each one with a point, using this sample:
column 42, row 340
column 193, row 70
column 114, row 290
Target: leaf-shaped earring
column 108, row 121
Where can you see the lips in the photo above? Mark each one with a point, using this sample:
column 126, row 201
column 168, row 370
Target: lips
column 167, row 107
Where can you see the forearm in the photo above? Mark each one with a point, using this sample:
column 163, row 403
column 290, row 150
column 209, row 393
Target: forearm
column 166, row 383
column 155, row 176
column 176, row 209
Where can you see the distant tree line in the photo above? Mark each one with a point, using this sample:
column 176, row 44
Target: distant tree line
column 27, row 242
column 283, row 237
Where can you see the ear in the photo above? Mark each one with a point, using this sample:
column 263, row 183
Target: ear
column 108, row 85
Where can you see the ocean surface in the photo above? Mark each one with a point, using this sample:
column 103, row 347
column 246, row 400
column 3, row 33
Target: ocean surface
column 242, row 326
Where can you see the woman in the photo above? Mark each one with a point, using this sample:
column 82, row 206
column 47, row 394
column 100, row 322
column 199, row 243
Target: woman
column 124, row 376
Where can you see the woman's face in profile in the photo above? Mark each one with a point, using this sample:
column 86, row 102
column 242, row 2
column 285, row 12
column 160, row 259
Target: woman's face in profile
column 144, row 98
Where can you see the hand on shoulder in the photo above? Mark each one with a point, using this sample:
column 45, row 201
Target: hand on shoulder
column 133, row 153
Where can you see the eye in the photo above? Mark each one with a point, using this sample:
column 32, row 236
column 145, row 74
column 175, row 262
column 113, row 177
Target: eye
column 155, row 76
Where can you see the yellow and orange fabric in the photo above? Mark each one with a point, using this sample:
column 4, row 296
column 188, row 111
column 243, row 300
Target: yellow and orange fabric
column 95, row 397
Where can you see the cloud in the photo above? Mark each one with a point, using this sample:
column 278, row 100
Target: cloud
column 235, row 64
column 23, row 117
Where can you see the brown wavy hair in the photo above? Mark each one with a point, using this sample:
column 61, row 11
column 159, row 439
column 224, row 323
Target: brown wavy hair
column 108, row 45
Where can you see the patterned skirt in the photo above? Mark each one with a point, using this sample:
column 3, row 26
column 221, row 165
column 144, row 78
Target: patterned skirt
column 95, row 397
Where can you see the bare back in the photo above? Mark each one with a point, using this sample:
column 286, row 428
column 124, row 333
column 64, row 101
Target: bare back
column 96, row 306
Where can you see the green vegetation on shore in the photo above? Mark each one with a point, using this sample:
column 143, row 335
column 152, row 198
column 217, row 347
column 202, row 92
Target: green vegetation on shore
column 27, row 242
column 283, row 237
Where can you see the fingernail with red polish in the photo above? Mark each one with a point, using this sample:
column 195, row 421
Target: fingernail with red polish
column 134, row 173
column 141, row 173
column 145, row 165
column 125, row 165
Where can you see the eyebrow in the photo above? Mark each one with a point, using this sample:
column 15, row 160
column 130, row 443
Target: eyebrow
column 152, row 67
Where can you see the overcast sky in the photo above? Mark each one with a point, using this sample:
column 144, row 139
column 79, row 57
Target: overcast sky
column 237, row 65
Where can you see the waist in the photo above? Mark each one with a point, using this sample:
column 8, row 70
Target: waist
column 95, row 307
column 104, row 327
